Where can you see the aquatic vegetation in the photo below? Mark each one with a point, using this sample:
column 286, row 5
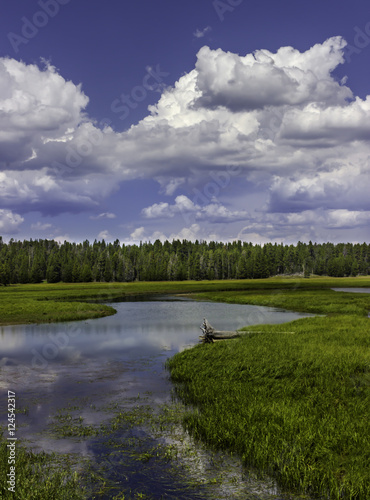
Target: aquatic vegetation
column 40, row 476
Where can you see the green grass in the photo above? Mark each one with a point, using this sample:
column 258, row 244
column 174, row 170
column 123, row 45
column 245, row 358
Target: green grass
column 294, row 405
column 39, row 476
column 45, row 303
column 319, row 301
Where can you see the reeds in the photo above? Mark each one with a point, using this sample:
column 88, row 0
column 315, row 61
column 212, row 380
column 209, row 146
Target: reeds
column 39, row 476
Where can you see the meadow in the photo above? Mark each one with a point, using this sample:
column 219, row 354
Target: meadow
column 46, row 303
column 292, row 400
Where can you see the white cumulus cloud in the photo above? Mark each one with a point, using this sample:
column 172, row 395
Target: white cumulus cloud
column 281, row 117
column 9, row 221
column 211, row 212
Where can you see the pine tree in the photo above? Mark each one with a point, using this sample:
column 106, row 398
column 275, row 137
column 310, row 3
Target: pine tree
column 355, row 268
column 86, row 274
column 36, row 274
column 108, row 271
column 4, row 275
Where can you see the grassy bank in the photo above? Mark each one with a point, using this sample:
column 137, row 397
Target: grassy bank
column 45, row 303
column 295, row 405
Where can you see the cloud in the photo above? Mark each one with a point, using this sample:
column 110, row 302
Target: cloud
column 264, row 79
column 170, row 186
column 137, row 234
column 212, row 212
column 330, row 126
column 304, row 226
column 282, row 118
column 36, row 105
column 343, row 186
column 201, row 33
column 105, row 235
column 62, row 238
column 41, row 227
column 191, row 233
column 346, row 219
column 215, row 212
column 164, row 210
column 9, row 222
column 158, row 210
column 104, row 215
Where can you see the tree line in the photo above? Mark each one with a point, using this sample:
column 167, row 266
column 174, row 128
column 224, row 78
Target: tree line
column 34, row 261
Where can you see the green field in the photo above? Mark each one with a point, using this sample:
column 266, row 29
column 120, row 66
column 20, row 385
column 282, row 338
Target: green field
column 292, row 400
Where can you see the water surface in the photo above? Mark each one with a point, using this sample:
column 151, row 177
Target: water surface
column 85, row 368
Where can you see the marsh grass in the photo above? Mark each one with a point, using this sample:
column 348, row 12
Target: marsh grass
column 293, row 405
column 320, row 301
column 45, row 303
column 39, row 476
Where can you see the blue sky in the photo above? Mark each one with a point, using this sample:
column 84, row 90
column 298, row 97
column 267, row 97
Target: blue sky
column 215, row 120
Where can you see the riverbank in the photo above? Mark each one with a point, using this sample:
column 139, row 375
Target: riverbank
column 50, row 303
column 292, row 400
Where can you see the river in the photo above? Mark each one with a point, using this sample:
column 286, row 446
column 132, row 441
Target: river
column 92, row 370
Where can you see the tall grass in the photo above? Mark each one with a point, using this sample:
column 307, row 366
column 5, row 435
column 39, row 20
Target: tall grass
column 39, row 476
column 294, row 405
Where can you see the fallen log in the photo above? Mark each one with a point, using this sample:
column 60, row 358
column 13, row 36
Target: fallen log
column 211, row 335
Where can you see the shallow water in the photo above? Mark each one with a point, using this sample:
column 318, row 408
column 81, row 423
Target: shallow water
column 84, row 368
column 352, row 290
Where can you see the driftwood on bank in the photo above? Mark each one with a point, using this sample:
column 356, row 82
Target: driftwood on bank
column 211, row 335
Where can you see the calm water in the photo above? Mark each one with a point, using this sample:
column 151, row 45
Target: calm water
column 352, row 290
column 89, row 366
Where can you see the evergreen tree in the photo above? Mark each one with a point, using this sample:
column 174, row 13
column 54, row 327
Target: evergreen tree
column 108, row 271
column 4, row 275
column 355, row 268
column 86, row 274
column 36, row 274
column 67, row 275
